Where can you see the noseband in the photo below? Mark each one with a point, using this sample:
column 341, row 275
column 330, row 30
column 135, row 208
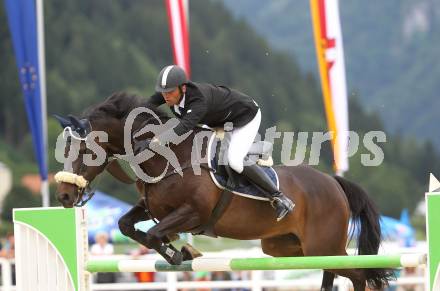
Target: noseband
column 80, row 182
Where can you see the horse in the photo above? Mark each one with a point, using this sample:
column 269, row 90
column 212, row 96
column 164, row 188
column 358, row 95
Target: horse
column 318, row 225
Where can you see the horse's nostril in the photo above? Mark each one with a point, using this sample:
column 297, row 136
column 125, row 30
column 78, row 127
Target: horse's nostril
column 64, row 197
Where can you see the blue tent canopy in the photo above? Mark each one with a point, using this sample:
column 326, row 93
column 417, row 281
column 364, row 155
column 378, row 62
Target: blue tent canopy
column 394, row 229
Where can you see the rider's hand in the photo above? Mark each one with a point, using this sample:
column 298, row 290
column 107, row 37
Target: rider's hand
column 165, row 137
column 156, row 140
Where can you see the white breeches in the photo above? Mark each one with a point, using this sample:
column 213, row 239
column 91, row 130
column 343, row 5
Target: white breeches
column 241, row 141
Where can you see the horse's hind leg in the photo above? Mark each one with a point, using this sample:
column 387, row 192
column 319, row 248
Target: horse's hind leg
column 326, row 246
column 327, row 281
column 326, row 235
column 287, row 245
column 356, row 276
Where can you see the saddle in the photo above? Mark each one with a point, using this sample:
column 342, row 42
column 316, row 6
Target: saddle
column 259, row 153
column 230, row 181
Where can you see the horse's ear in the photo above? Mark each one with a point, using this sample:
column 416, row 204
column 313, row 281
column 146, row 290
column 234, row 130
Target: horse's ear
column 63, row 121
column 85, row 124
column 75, row 122
column 80, row 126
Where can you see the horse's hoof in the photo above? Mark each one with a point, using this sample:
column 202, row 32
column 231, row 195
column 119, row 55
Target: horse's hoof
column 189, row 252
column 171, row 255
column 176, row 259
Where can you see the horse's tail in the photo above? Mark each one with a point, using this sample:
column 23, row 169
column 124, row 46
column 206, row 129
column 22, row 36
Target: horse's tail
column 365, row 214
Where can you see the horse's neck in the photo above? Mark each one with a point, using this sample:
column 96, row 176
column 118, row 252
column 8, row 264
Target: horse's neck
column 184, row 152
column 193, row 145
column 119, row 135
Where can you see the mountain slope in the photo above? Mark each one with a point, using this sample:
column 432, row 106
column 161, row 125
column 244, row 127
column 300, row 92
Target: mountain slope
column 391, row 48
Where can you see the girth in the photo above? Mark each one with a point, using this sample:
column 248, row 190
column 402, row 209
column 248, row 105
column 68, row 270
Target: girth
column 220, row 207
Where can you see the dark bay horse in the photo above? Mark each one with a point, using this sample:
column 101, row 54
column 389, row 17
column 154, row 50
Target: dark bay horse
column 317, row 226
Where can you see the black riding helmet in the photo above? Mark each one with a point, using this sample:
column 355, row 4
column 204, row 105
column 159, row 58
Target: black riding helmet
column 170, row 78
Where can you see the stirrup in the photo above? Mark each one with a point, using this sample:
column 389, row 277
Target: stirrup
column 282, row 206
column 274, row 200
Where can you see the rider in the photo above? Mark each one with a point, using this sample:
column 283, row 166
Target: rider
column 195, row 103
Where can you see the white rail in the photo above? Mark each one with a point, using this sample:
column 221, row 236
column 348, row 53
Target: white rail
column 256, row 283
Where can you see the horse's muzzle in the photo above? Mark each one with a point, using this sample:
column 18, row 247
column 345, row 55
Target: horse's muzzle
column 65, row 200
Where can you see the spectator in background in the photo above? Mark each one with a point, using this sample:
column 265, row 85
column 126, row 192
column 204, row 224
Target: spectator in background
column 202, row 276
column 221, row 276
column 242, row 276
column 187, row 277
column 8, row 252
column 411, row 272
column 102, row 247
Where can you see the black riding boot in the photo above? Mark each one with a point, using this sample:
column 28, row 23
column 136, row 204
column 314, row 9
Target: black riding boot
column 279, row 201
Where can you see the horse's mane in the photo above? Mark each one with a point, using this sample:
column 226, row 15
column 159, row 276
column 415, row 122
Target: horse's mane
column 119, row 105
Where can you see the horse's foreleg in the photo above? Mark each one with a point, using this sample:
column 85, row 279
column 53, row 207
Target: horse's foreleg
column 182, row 219
column 134, row 215
column 128, row 220
column 126, row 225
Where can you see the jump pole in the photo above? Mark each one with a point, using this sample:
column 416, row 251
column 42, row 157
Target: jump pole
column 52, row 253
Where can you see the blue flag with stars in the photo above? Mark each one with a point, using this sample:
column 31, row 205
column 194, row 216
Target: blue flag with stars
column 22, row 21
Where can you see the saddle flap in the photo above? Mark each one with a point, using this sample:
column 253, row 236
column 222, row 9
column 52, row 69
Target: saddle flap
column 242, row 186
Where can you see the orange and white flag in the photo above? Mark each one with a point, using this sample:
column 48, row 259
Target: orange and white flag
column 330, row 55
column 178, row 19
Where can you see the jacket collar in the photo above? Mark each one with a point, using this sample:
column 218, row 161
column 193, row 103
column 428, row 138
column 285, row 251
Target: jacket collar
column 182, row 102
column 181, row 105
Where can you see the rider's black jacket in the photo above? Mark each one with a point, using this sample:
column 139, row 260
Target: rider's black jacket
column 211, row 105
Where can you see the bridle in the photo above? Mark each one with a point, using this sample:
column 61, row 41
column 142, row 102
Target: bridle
column 84, row 192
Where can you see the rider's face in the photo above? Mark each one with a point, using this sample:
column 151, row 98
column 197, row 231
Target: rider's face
column 173, row 97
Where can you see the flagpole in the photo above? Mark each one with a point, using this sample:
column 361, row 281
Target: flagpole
column 42, row 73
